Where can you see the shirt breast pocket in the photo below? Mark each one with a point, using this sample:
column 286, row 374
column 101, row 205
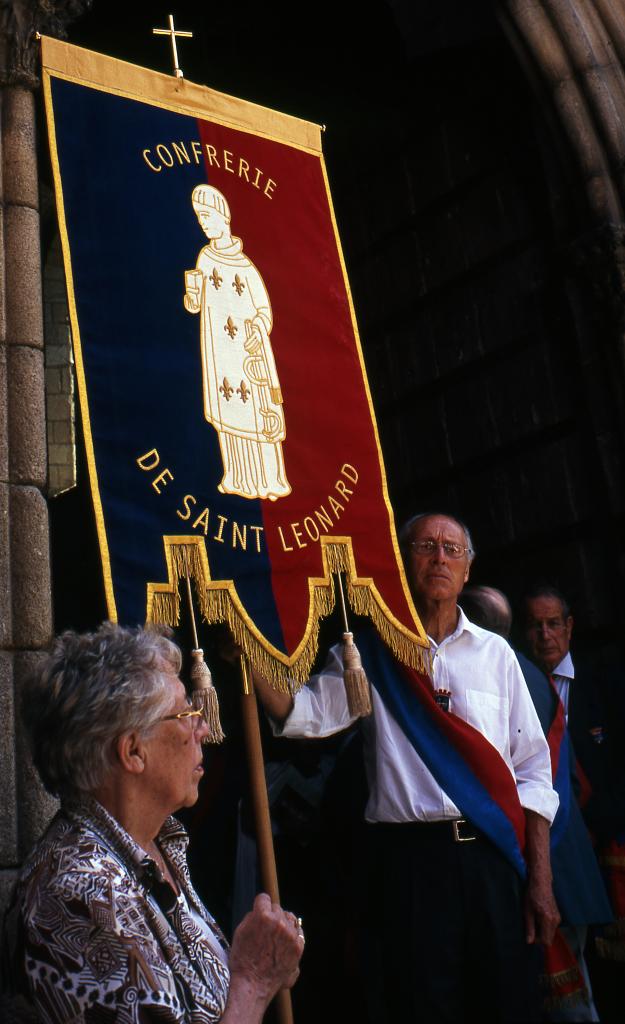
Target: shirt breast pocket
column 489, row 713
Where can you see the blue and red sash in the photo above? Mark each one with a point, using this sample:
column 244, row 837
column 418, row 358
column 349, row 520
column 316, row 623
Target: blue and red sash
column 558, row 742
column 466, row 766
column 562, row 980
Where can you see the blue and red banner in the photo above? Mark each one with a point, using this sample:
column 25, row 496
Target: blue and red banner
column 229, row 427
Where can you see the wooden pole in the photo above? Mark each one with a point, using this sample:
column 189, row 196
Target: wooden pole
column 260, row 803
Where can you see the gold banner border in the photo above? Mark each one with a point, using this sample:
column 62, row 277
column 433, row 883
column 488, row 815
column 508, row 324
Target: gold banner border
column 120, row 78
column 219, row 602
column 78, row 358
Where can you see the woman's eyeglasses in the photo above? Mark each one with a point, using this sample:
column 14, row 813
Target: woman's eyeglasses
column 195, row 715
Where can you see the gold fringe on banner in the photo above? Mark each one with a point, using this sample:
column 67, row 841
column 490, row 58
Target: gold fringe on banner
column 218, row 601
column 554, row 997
column 165, row 609
column 611, row 949
column 562, row 1000
column 365, row 600
column 611, row 944
column 561, row 978
column 611, row 860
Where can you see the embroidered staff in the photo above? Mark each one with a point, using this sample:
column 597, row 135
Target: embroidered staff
column 262, row 814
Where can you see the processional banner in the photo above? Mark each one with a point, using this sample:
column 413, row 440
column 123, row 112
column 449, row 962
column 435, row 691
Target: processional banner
column 229, row 429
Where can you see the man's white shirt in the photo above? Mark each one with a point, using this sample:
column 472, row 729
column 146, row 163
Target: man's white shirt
column 562, row 676
column 487, row 690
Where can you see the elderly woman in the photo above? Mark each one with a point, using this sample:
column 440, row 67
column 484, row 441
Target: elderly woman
column 104, row 924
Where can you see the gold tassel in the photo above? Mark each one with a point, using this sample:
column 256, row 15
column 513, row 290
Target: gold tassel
column 205, row 696
column 356, row 682
column 354, row 678
column 204, row 693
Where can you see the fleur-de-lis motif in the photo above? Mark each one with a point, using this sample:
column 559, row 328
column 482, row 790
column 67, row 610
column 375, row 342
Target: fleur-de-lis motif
column 226, row 389
column 244, row 392
column 238, row 284
column 230, row 327
column 216, row 279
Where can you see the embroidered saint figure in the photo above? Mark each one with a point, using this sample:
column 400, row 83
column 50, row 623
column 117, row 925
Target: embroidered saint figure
column 235, row 324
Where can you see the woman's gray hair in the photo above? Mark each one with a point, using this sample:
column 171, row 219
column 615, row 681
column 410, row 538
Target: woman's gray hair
column 90, row 689
column 406, row 530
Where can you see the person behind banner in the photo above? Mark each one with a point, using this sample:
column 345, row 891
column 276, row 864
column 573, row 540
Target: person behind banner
column 594, row 704
column 594, row 718
column 457, row 773
column 104, row 923
column 242, row 395
column 577, row 883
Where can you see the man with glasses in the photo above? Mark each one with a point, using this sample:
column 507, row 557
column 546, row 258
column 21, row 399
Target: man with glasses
column 578, row 885
column 449, row 923
column 594, row 704
column 585, row 694
column 549, row 625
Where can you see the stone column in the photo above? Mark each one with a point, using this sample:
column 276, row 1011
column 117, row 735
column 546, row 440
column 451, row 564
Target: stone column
column 25, row 593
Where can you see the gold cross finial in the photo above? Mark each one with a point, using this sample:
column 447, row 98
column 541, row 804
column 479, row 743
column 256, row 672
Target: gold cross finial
column 172, row 32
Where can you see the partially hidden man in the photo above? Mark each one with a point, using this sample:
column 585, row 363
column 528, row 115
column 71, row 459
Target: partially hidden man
column 592, row 697
column 458, row 888
column 577, row 883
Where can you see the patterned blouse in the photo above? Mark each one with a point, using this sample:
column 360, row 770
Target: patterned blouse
column 94, row 934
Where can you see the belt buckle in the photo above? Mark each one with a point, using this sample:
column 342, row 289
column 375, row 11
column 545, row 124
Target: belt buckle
column 456, row 830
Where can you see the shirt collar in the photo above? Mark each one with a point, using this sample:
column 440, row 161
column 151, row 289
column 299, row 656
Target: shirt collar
column 90, row 812
column 565, row 668
column 466, row 624
column 463, row 626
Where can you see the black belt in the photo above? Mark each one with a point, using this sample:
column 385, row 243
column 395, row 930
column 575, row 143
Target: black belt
column 458, row 830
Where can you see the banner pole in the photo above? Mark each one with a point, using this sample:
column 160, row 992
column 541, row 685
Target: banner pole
column 260, row 803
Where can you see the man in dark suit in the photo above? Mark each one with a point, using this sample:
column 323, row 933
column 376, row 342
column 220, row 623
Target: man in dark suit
column 594, row 702
column 577, row 883
column 596, row 732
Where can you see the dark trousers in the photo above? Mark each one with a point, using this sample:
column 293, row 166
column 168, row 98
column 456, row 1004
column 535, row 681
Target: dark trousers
column 443, row 931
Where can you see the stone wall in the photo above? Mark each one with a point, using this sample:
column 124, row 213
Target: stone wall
column 25, row 604
column 60, row 395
